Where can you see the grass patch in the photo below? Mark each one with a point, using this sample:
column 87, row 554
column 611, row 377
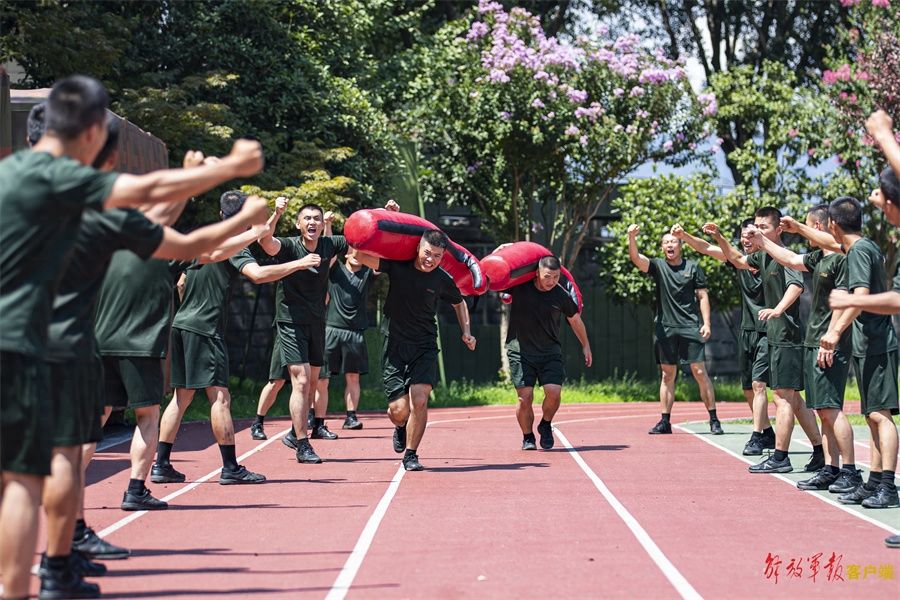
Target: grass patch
column 245, row 395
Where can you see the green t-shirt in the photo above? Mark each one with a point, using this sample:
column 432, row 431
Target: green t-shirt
column 347, row 291
column 752, row 299
column 534, row 320
column 828, row 273
column 412, row 301
column 784, row 330
column 300, row 297
column 135, row 306
column 207, row 291
column 101, row 234
column 41, row 202
column 872, row 334
column 677, row 307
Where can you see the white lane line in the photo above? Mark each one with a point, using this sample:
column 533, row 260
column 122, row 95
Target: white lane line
column 345, row 578
column 681, row 585
column 138, row 514
column 846, row 509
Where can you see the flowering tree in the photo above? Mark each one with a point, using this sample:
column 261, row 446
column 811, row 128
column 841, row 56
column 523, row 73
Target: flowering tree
column 534, row 134
column 864, row 75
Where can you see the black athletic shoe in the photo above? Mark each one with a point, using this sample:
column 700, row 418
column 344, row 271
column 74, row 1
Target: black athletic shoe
column 399, row 439
column 93, row 546
column 893, row 541
column 846, row 482
column 411, row 463
column 242, row 475
column 290, row 440
column 322, row 433
column 715, row 427
column 352, row 423
column 165, row 474
column 815, row 464
column 856, row 496
column 820, row 481
column 885, row 496
column 528, row 442
column 770, row 465
column 66, row 584
column 143, row 501
column 306, row 454
column 546, row 432
column 661, row 427
column 257, row 432
column 79, row 563
column 754, row 446
column 768, row 439
column 310, row 419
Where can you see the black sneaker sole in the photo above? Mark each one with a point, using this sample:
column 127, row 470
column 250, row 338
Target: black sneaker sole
column 167, row 479
column 223, row 481
column 356, row 426
column 259, row 438
column 109, row 556
column 133, row 506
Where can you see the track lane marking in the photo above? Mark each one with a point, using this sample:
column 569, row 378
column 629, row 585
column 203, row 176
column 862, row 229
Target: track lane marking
column 829, row 501
column 678, row 581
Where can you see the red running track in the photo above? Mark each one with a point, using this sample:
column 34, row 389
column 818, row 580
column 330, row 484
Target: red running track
column 486, row 520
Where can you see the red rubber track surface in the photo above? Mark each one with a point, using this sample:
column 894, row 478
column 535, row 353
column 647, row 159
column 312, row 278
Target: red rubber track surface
column 485, row 519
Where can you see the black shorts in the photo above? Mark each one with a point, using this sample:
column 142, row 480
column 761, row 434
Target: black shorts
column 679, row 350
column 133, row 381
column 405, row 364
column 26, row 415
column 753, row 358
column 877, row 379
column 76, row 393
column 296, row 345
column 198, row 361
column 785, row 367
column 345, row 351
column 825, row 387
column 528, row 369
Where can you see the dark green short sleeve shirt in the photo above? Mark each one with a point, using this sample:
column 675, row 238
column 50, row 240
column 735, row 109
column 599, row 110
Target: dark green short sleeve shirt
column 872, row 334
column 41, row 201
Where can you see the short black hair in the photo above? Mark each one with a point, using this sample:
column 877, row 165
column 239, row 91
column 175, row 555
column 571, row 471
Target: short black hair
column 819, row 212
column 311, row 205
column 747, row 223
column 846, row 213
column 75, row 104
column 37, row 123
column 436, row 238
column 231, row 202
column 890, row 186
column 769, row 212
column 111, row 145
column 550, row 262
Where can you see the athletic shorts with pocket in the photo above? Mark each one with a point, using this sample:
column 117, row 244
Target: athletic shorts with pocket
column 877, row 380
column 133, row 381
column 526, row 369
column 76, row 392
column 198, row 361
column 753, row 358
column 346, row 351
column 296, row 345
column 786, row 367
column 679, row 350
column 405, row 364
column 26, row 415
column 824, row 388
